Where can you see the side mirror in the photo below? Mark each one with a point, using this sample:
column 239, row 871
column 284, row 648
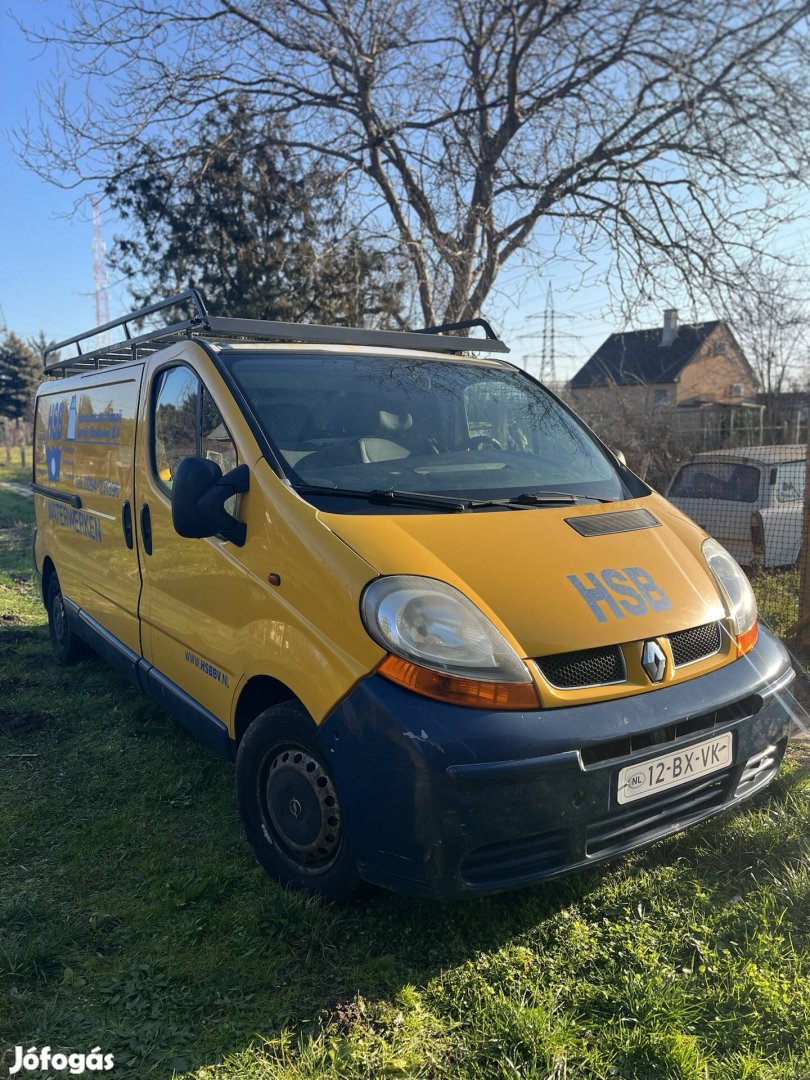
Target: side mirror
column 619, row 455
column 199, row 494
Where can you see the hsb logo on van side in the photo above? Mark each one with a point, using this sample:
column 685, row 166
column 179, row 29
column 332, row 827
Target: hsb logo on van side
column 630, row 590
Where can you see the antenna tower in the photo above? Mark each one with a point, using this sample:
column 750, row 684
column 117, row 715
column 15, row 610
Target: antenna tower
column 100, row 272
column 548, row 365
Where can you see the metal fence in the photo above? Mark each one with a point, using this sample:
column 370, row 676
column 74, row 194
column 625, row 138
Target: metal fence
column 752, row 500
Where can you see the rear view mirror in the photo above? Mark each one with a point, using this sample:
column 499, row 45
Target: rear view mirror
column 199, row 494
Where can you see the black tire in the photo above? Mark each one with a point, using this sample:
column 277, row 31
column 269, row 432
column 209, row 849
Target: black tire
column 289, row 805
column 67, row 647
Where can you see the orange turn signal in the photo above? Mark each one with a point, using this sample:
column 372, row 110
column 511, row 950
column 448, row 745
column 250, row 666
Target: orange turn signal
column 746, row 641
column 457, row 690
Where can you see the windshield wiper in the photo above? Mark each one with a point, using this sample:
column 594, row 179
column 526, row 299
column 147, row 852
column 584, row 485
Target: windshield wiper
column 391, row 497
column 394, row 497
column 531, row 498
column 527, row 499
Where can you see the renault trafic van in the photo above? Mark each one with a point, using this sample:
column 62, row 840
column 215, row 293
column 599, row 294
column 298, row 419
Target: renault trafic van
column 451, row 642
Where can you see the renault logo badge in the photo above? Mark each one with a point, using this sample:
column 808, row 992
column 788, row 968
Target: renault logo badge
column 653, row 661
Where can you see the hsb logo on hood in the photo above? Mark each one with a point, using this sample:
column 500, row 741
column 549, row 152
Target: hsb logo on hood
column 630, row 591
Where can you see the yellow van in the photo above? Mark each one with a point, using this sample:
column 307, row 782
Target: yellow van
column 452, row 643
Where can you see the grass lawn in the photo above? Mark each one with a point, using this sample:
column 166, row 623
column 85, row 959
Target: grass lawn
column 132, row 917
column 778, row 597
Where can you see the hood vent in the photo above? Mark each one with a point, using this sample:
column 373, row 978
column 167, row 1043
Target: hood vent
column 617, row 522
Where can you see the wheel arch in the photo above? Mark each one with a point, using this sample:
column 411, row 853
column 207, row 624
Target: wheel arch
column 259, row 693
column 48, row 571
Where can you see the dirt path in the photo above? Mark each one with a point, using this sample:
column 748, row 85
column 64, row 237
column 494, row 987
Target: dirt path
column 18, row 489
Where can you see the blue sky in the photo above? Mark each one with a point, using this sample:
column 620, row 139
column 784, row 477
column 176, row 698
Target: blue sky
column 46, row 259
column 46, row 253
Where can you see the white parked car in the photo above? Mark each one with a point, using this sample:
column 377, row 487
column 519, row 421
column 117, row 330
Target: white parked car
column 750, row 499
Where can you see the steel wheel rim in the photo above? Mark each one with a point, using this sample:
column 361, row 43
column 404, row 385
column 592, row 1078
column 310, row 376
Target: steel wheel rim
column 59, row 620
column 299, row 807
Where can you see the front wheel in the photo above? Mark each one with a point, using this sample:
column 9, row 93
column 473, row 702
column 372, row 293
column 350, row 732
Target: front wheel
column 290, row 807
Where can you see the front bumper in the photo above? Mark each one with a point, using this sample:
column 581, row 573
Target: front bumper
column 442, row 800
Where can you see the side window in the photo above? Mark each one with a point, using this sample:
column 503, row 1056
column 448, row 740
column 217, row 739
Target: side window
column 174, row 430
column 790, row 482
column 187, row 423
column 217, row 444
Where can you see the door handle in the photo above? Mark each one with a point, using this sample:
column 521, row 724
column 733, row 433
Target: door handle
column 126, row 524
column 146, row 529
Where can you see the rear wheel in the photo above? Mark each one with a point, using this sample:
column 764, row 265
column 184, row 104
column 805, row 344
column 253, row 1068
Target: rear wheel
column 67, row 647
column 290, row 807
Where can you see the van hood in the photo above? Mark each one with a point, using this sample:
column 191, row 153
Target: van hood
column 549, row 588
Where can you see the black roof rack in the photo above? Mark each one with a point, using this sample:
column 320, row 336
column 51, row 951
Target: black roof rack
column 199, row 323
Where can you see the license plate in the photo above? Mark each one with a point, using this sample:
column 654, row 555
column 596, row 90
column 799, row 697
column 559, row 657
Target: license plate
column 670, row 770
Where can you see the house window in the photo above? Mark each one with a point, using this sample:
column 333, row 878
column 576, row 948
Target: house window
column 662, row 397
column 736, row 389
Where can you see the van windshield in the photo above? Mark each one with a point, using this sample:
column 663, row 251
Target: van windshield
column 465, row 429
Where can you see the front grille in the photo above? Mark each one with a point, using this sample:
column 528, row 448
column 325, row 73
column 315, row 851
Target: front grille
column 602, row 667
column 627, row 826
column 509, row 859
column 587, row 667
column 600, row 752
column 695, row 644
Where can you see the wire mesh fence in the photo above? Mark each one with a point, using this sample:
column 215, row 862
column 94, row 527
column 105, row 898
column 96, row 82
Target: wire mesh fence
column 751, row 499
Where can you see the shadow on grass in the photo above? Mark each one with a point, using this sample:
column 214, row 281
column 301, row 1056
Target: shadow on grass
column 133, row 916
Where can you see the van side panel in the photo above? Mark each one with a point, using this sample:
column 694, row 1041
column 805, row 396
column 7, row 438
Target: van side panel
column 83, row 476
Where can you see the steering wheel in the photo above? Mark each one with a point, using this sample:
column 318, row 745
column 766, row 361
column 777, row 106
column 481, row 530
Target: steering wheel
column 480, row 442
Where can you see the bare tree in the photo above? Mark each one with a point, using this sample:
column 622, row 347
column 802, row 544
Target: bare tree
column 661, row 133
column 771, row 317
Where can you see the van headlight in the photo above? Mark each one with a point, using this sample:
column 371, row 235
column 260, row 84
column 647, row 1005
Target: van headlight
column 736, row 590
column 441, row 645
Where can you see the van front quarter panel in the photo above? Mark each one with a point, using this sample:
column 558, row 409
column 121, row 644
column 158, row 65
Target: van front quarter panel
column 300, row 621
